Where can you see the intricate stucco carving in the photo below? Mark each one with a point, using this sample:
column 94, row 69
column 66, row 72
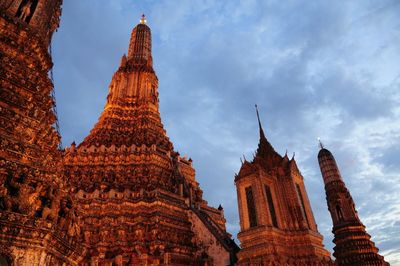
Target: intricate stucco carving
column 123, row 195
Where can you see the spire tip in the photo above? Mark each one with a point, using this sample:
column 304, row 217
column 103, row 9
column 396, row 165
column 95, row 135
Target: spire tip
column 258, row 116
column 320, row 143
column 143, row 19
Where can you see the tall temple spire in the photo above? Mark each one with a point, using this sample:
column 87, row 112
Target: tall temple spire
column 131, row 115
column 352, row 243
column 140, row 201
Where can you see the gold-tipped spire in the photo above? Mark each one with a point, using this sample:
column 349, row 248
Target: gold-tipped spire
column 143, row 19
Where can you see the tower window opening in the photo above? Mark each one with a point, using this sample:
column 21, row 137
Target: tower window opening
column 271, row 206
column 339, row 213
column 303, row 209
column 251, row 208
column 26, row 10
column 5, row 260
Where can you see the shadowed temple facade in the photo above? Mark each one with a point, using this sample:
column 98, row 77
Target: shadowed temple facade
column 124, row 196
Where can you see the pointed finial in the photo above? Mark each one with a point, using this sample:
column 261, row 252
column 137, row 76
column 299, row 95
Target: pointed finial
column 143, row 19
column 258, row 116
column 262, row 135
column 286, row 156
column 320, row 144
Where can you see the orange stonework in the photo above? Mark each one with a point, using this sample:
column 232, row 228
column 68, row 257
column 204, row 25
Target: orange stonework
column 139, row 199
column 124, row 196
column 38, row 221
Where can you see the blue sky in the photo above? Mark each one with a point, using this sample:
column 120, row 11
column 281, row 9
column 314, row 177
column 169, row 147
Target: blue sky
column 327, row 69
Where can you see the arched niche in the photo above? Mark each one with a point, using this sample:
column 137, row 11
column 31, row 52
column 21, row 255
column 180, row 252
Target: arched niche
column 339, row 213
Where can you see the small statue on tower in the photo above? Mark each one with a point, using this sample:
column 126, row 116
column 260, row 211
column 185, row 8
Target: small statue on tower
column 25, row 10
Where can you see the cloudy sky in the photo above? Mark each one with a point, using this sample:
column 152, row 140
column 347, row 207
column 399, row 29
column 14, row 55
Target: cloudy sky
column 328, row 69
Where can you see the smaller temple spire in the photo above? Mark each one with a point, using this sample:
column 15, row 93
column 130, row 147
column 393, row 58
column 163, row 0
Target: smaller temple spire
column 352, row 243
column 143, row 19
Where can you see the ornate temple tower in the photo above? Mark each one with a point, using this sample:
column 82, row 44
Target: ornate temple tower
column 139, row 200
column 352, row 243
column 276, row 221
column 35, row 210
